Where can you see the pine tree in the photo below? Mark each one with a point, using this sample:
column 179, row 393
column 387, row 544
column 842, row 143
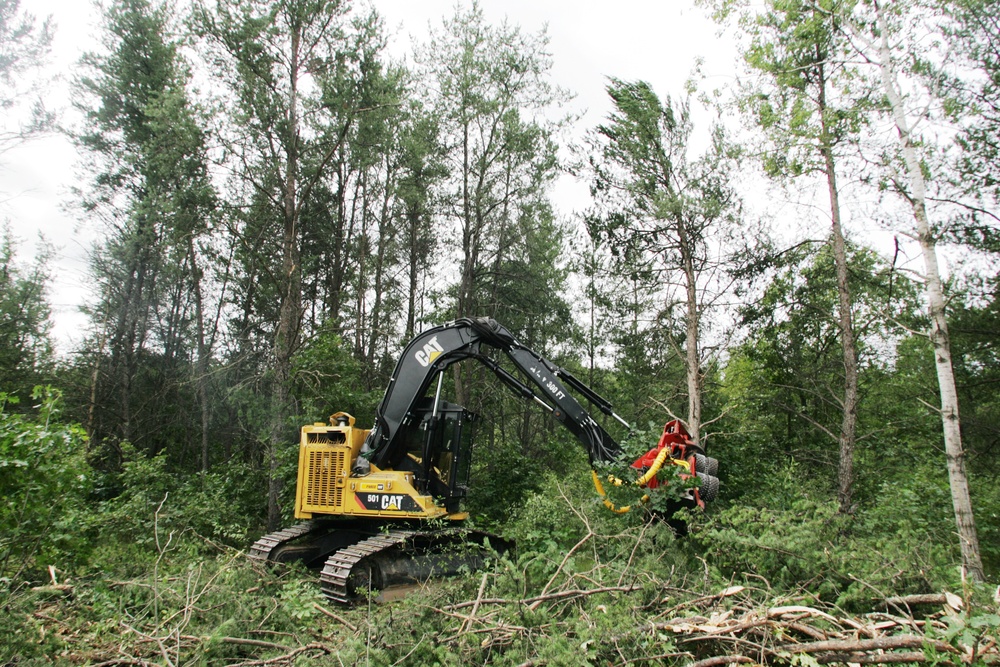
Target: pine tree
column 151, row 189
column 662, row 213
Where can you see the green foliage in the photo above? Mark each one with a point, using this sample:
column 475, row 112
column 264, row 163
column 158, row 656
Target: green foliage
column 672, row 223
column 326, row 375
column 477, row 76
column 976, row 627
column 803, row 94
column 986, row 496
column 26, row 46
column 148, row 184
column 795, row 540
column 567, row 509
column 299, row 599
column 45, row 480
column 154, row 506
column 972, row 100
column 221, row 608
column 974, row 326
column 154, row 555
column 503, row 476
column 25, row 345
column 780, row 385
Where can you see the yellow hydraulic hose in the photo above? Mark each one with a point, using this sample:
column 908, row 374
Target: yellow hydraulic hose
column 607, row 503
column 655, row 468
column 642, row 481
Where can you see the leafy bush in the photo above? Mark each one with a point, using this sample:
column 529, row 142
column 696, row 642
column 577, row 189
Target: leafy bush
column 191, row 512
column 793, row 542
column 45, row 480
column 986, row 500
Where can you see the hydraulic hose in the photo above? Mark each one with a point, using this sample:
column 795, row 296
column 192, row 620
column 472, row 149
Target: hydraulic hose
column 655, row 468
column 604, row 496
column 658, row 462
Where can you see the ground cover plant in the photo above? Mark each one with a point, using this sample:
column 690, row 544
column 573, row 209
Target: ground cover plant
column 585, row 587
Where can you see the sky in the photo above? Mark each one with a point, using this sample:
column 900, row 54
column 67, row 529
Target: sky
column 659, row 42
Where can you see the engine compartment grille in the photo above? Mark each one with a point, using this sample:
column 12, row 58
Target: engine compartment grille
column 325, row 468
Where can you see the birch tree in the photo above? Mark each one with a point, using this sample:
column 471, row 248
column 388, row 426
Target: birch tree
column 882, row 37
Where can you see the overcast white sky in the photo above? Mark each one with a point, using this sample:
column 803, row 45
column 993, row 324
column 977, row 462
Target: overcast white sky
column 630, row 39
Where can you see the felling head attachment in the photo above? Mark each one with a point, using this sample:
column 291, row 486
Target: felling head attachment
column 675, row 448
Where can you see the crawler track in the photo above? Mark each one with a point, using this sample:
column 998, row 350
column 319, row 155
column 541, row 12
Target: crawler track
column 360, row 557
column 341, row 566
column 263, row 548
column 403, row 557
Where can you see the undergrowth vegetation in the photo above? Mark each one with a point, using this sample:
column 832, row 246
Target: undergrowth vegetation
column 157, row 574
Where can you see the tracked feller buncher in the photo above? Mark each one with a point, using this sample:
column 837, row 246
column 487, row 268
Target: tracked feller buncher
column 382, row 507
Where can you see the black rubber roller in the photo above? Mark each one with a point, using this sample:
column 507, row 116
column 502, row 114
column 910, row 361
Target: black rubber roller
column 706, row 464
column 709, row 488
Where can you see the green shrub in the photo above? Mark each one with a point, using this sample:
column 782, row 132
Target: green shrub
column 901, row 545
column 45, row 480
column 195, row 513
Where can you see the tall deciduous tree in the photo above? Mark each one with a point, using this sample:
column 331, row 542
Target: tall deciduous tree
column 664, row 212
column 784, row 380
column 883, row 36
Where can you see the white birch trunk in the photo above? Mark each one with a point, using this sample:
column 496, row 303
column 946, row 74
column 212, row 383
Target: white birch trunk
column 961, row 501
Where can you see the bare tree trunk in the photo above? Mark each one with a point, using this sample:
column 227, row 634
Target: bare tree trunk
column 385, row 232
column 339, row 260
column 692, row 357
column 95, row 375
column 288, row 319
column 362, row 260
column 845, row 320
column 961, row 501
column 465, row 287
column 849, row 420
column 413, row 222
column 203, row 353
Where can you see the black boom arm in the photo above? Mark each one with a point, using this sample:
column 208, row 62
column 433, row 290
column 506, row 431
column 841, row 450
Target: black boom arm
column 432, row 351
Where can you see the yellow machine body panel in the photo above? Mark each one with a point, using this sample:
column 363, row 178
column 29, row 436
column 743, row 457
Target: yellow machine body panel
column 325, row 486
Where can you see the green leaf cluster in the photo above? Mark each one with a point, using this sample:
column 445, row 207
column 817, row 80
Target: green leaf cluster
column 45, row 480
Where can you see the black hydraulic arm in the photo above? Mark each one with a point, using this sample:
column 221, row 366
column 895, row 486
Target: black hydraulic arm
column 433, row 350
column 599, row 444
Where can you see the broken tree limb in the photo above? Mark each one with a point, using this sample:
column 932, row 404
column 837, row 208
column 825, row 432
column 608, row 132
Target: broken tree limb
column 722, row 660
column 863, row 645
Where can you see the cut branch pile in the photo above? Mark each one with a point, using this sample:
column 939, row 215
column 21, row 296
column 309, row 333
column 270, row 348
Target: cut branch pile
column 582, row 610
column 731, row 628
column 653, row 623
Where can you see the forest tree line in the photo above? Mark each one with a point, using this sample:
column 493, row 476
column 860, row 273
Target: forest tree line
column 283, row 206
